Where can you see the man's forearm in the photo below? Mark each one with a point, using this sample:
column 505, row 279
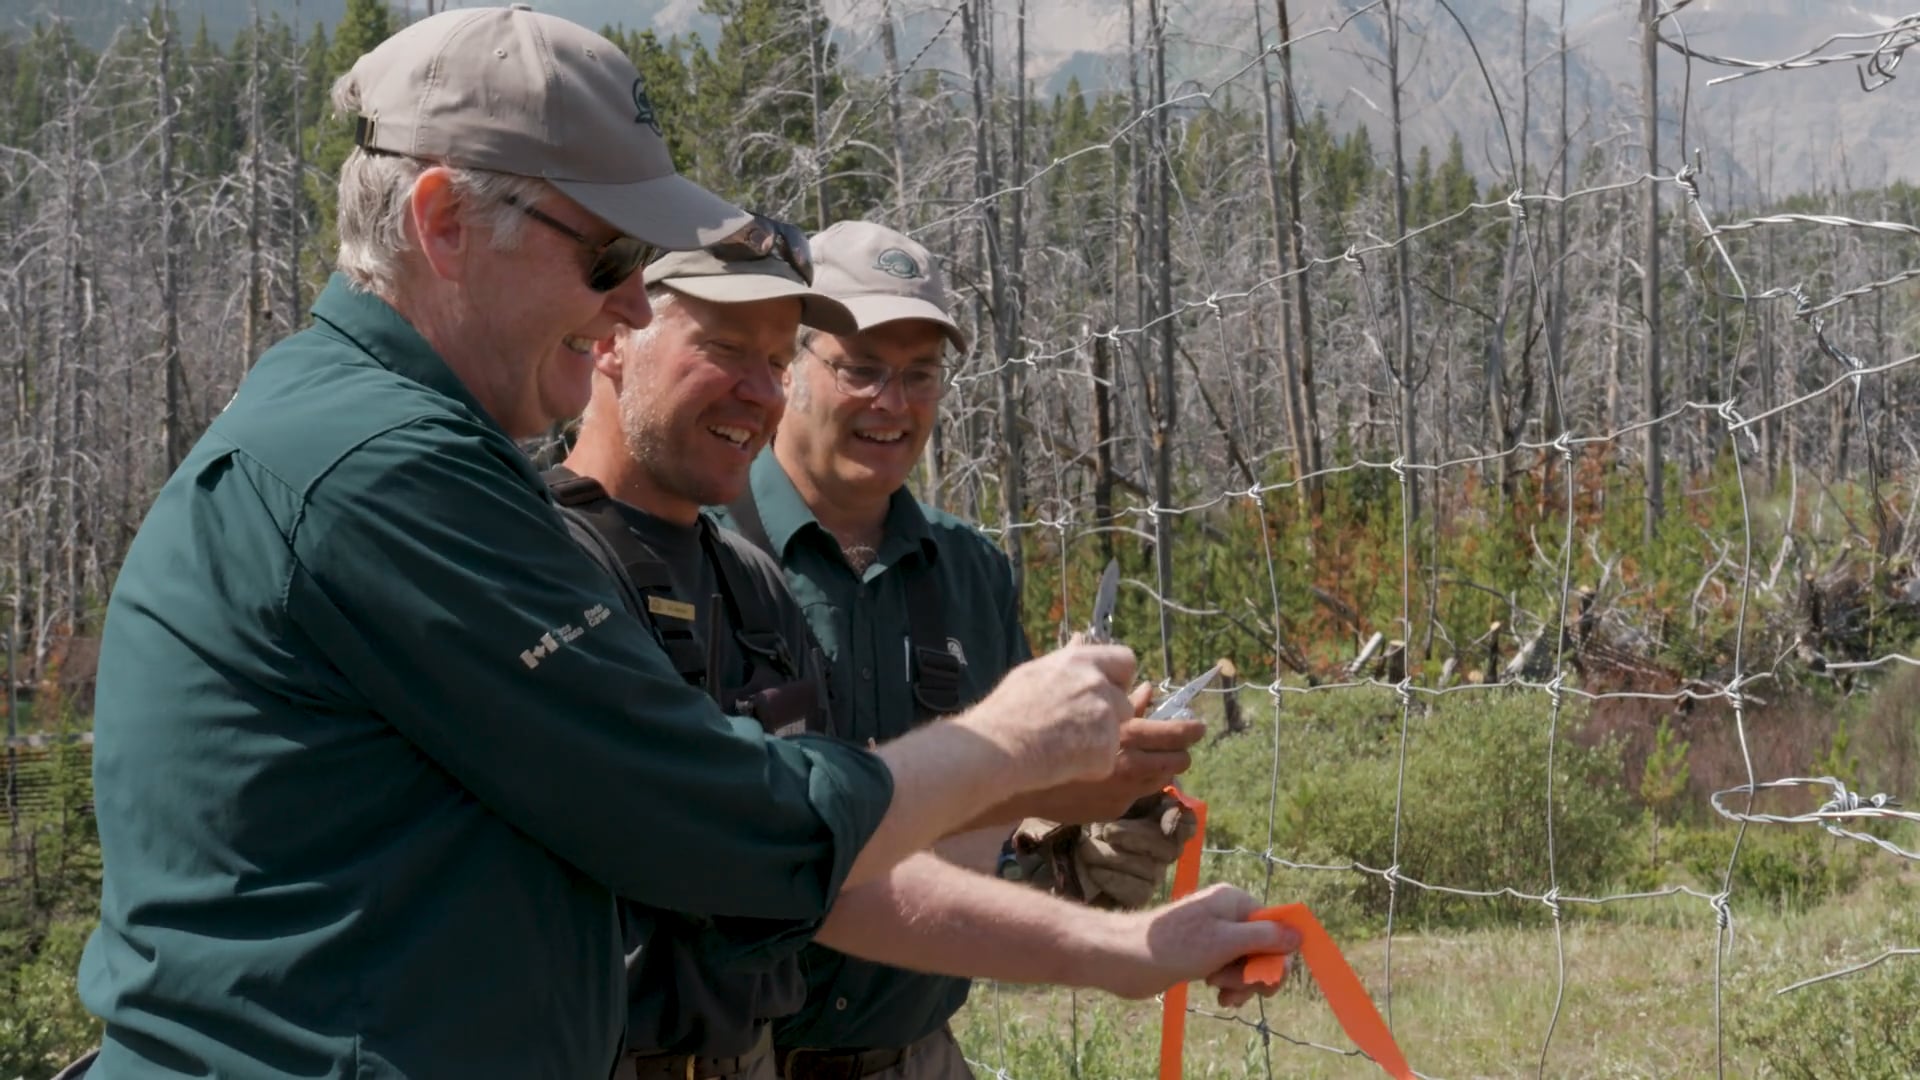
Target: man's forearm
column 1048, row 722
column 943, row 774
column 929, row 915
column 978, row 850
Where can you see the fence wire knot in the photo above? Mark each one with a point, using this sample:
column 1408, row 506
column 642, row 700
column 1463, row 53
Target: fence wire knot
column 1404, row 692
column 1563, row 442
column 1516, row 202
column 1399, row 468
column 1552, row 900
column 1737, row 424
column 1732, row 692
column 1722, row 911
column 1687, row 177
column 1554, row 688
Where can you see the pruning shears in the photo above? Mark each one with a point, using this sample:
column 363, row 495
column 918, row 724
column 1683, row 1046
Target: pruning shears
column 1175, row 707
column 1100, row 632
column 1100, row 627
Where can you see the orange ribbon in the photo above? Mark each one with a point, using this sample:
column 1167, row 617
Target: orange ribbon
column 1338, row 984
column 1186, row 878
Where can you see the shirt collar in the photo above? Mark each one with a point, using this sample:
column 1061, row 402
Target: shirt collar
column 784, row 514
column 372, row 325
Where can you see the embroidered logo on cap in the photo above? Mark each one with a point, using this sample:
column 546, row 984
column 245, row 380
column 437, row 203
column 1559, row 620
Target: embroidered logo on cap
column 897, row 262
column 643, row 107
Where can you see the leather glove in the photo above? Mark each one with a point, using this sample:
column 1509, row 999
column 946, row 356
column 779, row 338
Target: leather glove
column 1042, row 856
column 1120, row 864
column 1110, row 864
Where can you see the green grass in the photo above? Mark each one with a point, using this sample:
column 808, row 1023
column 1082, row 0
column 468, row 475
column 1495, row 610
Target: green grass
column 1475, row 982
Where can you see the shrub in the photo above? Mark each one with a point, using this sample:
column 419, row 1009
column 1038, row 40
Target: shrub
column 1474, row 813
column 1792, row 867
column 1859, row 1026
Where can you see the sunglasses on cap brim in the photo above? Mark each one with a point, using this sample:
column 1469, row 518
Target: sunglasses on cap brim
column 765, row 237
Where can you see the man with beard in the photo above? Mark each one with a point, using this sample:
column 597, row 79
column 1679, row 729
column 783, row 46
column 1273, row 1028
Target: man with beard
column 678, row 411
column 918, row 615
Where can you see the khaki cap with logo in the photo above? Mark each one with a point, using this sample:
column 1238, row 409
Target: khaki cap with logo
column 516, row 91
column 740, row 281
column 881, row 276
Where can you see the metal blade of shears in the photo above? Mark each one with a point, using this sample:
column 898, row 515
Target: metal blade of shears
column 1100, row 627
column 1176, row 706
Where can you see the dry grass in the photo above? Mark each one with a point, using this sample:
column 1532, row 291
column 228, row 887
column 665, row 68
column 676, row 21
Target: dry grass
column 1639, row 999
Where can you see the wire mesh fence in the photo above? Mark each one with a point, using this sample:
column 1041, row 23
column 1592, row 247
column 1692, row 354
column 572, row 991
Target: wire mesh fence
column 1571, row 650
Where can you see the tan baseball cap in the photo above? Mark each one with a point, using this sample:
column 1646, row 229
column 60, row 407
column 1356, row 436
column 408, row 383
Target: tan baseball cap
column 881, row 276
column 707, row 276
column 516, row 91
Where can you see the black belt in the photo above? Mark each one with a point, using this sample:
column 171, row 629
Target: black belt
column 804, row 1064
column 696, row 1066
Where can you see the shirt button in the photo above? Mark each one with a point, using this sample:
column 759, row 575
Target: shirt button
column 866, row 674
column 841, row 1004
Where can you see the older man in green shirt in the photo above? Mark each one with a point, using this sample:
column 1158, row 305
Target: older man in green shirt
column 919, row 617
column 377, row 747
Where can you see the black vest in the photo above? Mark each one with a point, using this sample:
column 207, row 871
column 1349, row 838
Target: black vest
column 777, row 689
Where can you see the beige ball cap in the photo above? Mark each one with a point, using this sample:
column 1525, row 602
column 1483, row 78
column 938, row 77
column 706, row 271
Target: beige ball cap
column 512, row 90
column 881, row 276
column 706, row 276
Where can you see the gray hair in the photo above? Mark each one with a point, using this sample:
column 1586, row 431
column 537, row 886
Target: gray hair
column 374, row 193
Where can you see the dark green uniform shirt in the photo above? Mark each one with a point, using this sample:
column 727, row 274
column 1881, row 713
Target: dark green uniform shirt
column 687, row 994
column 861, row 621
column 377, row 747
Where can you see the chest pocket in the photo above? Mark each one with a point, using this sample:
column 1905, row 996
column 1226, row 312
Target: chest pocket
column 937, row 672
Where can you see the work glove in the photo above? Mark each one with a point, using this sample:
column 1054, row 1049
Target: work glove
column 1109, row 864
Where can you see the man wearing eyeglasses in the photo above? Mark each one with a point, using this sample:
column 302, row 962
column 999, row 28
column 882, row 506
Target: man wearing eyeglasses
column 918, row 616
column 377, row 747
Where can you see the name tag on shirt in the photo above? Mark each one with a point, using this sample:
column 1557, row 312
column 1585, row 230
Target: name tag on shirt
column 672, row 609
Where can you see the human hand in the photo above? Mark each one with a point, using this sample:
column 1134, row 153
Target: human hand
column 1060, row 715
column 1152, row 753
column 1205, row 936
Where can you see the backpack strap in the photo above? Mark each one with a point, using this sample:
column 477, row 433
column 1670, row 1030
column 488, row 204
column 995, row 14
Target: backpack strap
column 936, row 671
column 646, row 586
column 755, row 626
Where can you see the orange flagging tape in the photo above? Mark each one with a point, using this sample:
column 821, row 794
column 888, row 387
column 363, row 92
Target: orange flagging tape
column 1338, row 984
column 1186, row 878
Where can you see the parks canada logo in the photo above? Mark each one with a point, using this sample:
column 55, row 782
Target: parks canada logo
column 643, row 112
column 898, row 263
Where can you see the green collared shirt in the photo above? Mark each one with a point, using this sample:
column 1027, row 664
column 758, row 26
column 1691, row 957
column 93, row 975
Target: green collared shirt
column 377, row 747
column 861, row 622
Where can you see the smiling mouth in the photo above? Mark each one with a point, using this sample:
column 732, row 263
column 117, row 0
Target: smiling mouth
column 576, row 343
column 884, row 438
column 735, row 435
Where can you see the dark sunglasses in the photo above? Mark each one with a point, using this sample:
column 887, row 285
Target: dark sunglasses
column 614, row 261
column 764, row 236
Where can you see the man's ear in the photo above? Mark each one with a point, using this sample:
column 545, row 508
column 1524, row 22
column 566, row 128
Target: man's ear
column 610, row 354
column 439, row 229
